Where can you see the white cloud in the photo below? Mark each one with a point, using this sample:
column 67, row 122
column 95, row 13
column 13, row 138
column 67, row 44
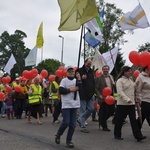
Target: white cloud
column 27, row 16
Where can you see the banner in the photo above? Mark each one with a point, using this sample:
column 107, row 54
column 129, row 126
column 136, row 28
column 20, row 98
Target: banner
column 134, row 20
column 30, row 60
column 10, row 64
column 74, row 13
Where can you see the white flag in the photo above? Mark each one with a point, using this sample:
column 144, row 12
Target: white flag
column 30, row 60
column 94, row 27
column 98, row 61
column 134, row 20
column 10, row 64
column 110, row 57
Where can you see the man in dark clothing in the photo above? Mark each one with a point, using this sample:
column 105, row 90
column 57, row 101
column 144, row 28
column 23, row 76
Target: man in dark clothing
column 86, row 93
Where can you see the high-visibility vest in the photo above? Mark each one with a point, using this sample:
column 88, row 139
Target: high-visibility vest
column 54, row 95
column 116, row 96
column 36, row 96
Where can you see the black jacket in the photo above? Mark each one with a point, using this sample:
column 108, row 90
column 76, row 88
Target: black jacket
column 87, row 88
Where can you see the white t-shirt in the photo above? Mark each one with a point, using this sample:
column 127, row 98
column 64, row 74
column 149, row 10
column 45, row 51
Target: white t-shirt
column 68, row 99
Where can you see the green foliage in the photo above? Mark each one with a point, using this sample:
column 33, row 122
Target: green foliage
column 144, row 47
column 51, row 65
column 13, row 44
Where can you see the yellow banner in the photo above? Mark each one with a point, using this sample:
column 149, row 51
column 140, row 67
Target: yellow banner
column 74, row 13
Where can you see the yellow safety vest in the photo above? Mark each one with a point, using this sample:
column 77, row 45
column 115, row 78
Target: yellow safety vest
column 54, row 95
column 116, row 96
column 36, row 97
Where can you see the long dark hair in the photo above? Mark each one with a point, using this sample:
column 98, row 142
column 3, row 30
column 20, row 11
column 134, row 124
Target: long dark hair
column 123, row 70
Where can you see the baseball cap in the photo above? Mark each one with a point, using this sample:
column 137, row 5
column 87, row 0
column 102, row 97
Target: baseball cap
column 69, row 67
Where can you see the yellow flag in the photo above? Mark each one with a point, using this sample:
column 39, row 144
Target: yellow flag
column 40, row 39
column 74, row 13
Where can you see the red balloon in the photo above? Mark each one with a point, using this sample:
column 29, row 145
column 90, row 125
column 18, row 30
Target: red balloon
column 98, row 73
column 109, row 100
column 136, row 73
column 17, row 88
column 44, row 73
column 59, row 73
column 2, row 96
column 33, row 73
column 106, row 91
column 61, row 68
column 95, row 105
column 26, row 74
column 98, row 106
column 4, row 80
column 64, row 73
column 51, row 78
column 8, row 89
column 144, row 59
column 8, row 78
column 134, row 57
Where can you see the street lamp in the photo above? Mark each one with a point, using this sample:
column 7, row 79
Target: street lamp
column 62, row 48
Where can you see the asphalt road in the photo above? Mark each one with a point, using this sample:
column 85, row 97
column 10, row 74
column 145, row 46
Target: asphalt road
column 19, row 135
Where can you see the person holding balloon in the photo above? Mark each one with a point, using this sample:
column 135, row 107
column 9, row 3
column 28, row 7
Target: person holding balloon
column 20, row 96
column 143, row 95
column 104, row 88
column 126, row 104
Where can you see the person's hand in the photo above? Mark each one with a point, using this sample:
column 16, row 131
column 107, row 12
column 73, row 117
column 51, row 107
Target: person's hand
column 137, row 83
column 84, row 76
column 78, row 76
column 73, row 89
column 129, row 101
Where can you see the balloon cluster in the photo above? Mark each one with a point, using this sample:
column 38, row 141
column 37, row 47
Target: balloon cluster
column 108, row 98
column 6, row 80
column 140, row 59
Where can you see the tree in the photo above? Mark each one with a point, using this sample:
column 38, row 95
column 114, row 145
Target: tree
column 13, row 44
column 112, row 34
column 51, row 65
column 144, row 47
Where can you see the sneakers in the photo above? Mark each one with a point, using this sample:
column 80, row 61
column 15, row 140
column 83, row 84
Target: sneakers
column 85, row 131
column 56, row 122
column 86, row 123
column 57, row 139
column 70, row 144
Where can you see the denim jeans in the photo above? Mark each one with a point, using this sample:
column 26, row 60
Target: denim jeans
column 86, row 108
column 69, row 120
column 3, row 108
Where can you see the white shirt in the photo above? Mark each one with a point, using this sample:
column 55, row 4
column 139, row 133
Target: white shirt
column 68, row 99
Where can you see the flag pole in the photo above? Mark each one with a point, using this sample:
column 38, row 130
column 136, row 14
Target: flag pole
column 41, row 54
column 80, row 46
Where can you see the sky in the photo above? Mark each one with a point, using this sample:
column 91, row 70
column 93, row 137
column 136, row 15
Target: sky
column 28, row 14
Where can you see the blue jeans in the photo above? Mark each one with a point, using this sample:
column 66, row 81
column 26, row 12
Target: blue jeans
column 3, row 108
column 69, row 120
column 86, row 108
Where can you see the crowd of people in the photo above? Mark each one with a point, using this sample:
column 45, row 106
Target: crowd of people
column 74, row 96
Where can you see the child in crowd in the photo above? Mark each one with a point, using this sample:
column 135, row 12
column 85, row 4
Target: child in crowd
column 9, row 106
